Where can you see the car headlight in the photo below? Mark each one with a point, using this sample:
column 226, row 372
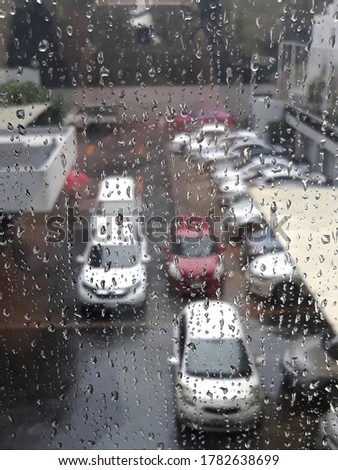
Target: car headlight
column 174, row 271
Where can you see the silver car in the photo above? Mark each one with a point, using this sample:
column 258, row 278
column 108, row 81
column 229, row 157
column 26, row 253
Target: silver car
column 113, row 271
column 274, row 275
column 241, row 217
column 217, row 384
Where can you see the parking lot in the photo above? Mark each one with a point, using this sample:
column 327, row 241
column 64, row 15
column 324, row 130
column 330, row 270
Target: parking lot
column 106, row 382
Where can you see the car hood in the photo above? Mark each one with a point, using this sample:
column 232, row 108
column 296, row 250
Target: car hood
column 271, row 265
column 197, row 266
column 113, row 279
column 213, row 391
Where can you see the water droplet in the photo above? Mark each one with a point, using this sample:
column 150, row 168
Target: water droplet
column 170, row 114
column 152, row 72
column 254, row 62
column 89, row 389
column 114, row 396
column 325, row 239
column 100, row 57
column 2, row 14
column 43, row 45
column 332, row 40
column 69, row 30
column 66, row 334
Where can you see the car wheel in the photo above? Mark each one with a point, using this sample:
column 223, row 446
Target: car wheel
column 286, row 293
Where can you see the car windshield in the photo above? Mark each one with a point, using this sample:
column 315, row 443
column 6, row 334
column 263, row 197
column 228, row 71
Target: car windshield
column 193, row 247
column 224, row 358
column 117, row 256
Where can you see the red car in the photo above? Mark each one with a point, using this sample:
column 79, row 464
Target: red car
column 204, row 117
column 195, row 264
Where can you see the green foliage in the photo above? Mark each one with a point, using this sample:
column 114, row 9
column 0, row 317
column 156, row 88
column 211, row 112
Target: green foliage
column 14, row 93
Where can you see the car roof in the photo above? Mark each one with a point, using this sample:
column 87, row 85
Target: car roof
column 213, row 319
column 105, row 230
column 117, row 188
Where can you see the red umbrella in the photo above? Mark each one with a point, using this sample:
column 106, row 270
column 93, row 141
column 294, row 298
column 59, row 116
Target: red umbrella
column 75, row 180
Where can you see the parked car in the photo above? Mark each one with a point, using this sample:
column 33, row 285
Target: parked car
column 241, row 217
column 184, row 121
column 200, row 137
column 227, row 144
column 260, row 241
column 249, row 169
column 274, row 275
column 261, row 176
column 244, row 153
column 195, row 264
column 217, row 384
column 113, row 271
column 327, row 430
column 310, row 366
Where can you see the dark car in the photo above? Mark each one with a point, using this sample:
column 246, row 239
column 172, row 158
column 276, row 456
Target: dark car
column 310, row 366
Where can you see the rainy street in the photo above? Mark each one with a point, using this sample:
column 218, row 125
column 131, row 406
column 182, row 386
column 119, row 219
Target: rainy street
column 72, row 381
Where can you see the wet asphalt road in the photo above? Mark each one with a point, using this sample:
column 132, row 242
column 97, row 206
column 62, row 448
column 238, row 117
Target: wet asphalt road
column 104, row 383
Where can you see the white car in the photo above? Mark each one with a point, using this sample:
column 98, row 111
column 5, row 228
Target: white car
column 198, row 138
column 216, row 380
column 113, row 271
column 227, row 144
column 241, row 216
column 274, row 275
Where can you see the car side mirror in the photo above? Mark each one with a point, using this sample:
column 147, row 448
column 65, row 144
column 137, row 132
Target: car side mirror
column 173, row 361
column 80, row 259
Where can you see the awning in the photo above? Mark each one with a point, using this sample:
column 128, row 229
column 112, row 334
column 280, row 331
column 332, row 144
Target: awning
column 309, row 218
